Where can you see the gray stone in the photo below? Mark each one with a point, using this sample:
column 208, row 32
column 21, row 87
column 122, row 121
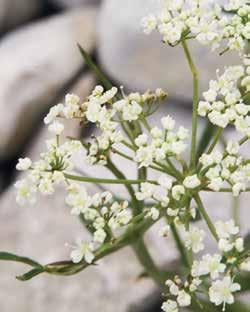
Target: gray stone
column 36, row 62
column 140, row 61
column 15, row 12
column 74, row 3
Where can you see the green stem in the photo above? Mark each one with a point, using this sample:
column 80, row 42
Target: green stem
column 243, row 140
column 215, row 140
column 173, row 168
column 135, row 203
column 146, row 124
column 235, row 210
column 147, row 262
column 105, row 181
column 180, row 245
column 195, row 103
column 206, row 217
column 226, row 190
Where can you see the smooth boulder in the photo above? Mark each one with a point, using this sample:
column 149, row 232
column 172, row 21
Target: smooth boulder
column 37, row 62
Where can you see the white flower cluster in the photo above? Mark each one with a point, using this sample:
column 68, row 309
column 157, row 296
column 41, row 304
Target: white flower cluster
column 219, row 268
column 165, row 143
column 129, row 108
column 47, row 172
column 184, row 19
column 224, row 102
column 102, row 216
column 228, row 168
column 170, row 196
column 194, row 239
column 228, row 242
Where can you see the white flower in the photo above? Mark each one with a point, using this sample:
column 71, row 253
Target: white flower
column 210, row 95
column 161, row 194
column 124, row 217
column 164, row 231
column 191, row 182
column 72, row 99
column 26, row 193
column 194, row 284
column 146, row 191
column 226, row 229
column 182, row 133
column 239, row 244
column 169, row 306
column 194, row 239
column 53, row 113
column 23, row 164
column 144, row 156
column 178, row 148
column 183, row 298
column 46, row 186
column 203, row 108
column 232, row 148
column 237, row 188
column 58, row 177
column 131, row 111
column 78, row 199
column 168, row 123
column 216, row 184
column 165, row 181
column 178, row 191
column 225, row 245
column 141, row 140
column 56, row 127
column 149, row 23
column 172, row 212
column 210, row 264
column 99, row 236
column 153, row 213
column 221, row 291
column 82, row 250
column 173, row 288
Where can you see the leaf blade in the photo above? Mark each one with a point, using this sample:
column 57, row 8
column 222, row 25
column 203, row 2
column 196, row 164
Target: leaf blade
column 6, row 256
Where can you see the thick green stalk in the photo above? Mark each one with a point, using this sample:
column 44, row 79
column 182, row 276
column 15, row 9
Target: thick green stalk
column 195, row 103
column 147, row 262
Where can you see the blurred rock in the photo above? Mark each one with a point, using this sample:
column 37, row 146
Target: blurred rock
column 74, row 3
column 15, row 12
column 140, row 61
column 36, row 63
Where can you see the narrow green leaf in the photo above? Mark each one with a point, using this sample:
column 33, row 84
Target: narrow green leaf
column 205, row 139
column 29, row 275
column 5, row 256
column 87, row 58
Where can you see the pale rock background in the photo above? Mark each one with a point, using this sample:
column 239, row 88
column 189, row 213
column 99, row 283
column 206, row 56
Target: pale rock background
column 47, row 59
